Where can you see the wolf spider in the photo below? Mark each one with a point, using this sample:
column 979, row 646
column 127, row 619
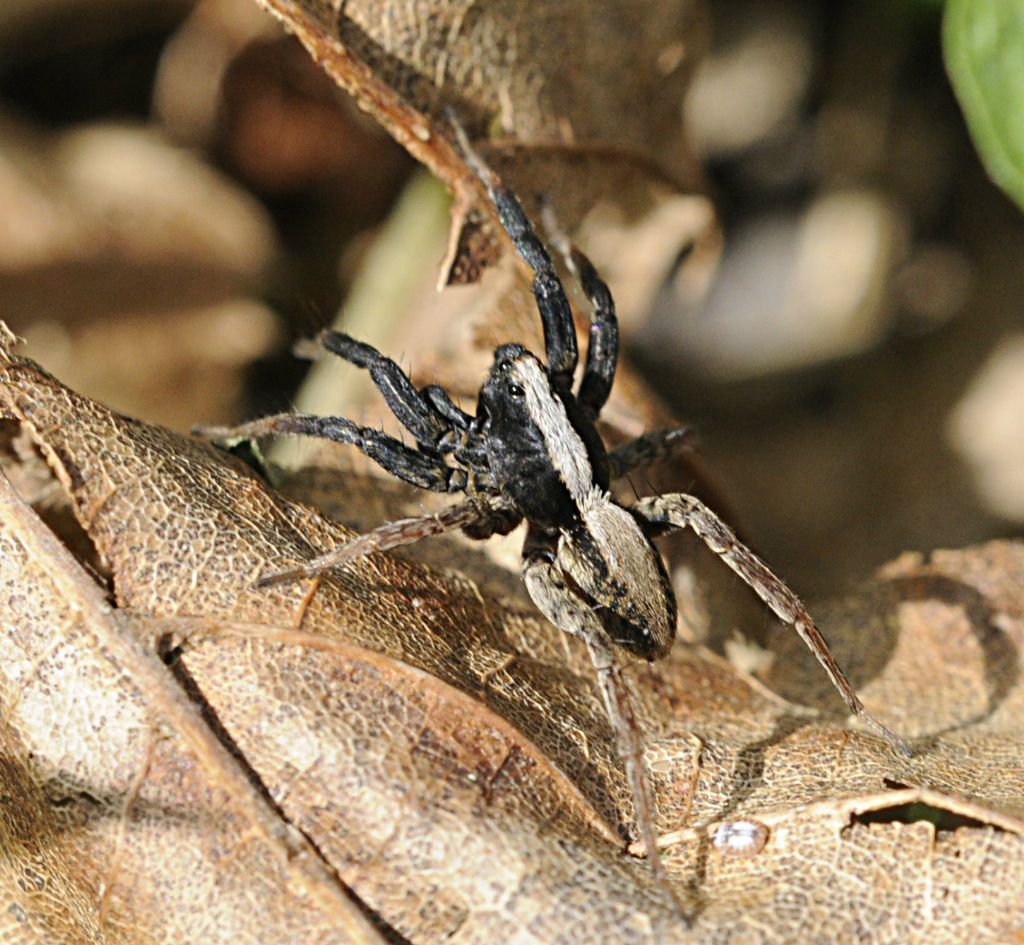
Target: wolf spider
column 532, row 452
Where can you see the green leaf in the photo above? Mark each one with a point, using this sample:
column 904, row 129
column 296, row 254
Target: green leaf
column 983, row 42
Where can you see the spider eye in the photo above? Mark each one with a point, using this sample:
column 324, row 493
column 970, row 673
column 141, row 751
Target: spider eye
column 514, row 390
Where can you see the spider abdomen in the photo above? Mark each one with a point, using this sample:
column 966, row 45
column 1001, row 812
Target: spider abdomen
column 617, row 568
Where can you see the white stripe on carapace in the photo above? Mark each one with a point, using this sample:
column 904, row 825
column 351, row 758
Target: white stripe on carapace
column 564, row 445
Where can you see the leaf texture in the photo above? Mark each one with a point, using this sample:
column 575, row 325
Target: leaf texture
column 442, row 748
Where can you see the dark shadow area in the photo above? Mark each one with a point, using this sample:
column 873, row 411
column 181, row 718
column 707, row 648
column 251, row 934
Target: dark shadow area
column 943, row 820
column 748, row 770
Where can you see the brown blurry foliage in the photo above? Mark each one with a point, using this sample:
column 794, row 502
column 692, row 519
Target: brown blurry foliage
column 130, row 264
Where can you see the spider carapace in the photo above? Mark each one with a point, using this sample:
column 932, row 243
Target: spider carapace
column 532, row 452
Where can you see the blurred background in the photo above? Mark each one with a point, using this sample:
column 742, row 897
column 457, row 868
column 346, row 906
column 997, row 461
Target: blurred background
column 183, row 194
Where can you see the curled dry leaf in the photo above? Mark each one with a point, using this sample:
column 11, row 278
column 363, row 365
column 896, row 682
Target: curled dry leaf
column 581, row 103
column 441, row 747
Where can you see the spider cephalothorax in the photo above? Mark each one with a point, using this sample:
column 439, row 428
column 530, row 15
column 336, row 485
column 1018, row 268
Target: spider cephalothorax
column 532, row 452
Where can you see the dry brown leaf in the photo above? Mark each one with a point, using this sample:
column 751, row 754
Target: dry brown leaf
column 585, row 76
column 124, row 818
column 442, row 747
column 582, row 103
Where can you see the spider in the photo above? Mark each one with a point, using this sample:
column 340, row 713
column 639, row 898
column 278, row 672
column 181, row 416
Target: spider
column 532, row 452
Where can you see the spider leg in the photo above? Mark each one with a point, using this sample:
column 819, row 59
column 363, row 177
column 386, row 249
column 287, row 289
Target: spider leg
column 444, row 406
column 555, row 600
column 648, row 448
column 685, row 511
column 469, row 514
column 603, row 337
column 555, row 314
column 414, row 411
column 407, row 464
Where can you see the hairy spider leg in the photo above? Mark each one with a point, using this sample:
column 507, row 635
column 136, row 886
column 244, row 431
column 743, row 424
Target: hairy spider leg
column 414, row 411
column 429, row 414
column 403, row 462
column 602, row 339
column 648, row 448
column 444, row 406
column 553, row 597
column 556, row 316
column 405, row 531
column 685, row 511
column 603, row 335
